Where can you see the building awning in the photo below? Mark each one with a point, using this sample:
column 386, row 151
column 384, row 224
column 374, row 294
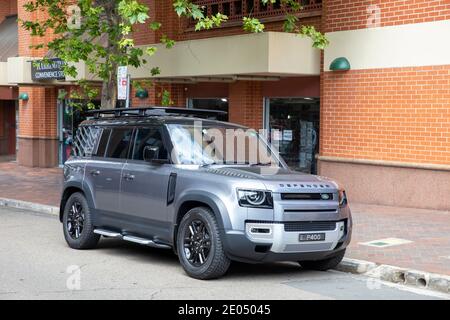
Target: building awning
column 249, row 56
column 9, row 38
column 264, row 56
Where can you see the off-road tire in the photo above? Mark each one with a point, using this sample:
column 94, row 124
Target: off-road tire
column 323, row 265
column 217, row 263
column 87, row 239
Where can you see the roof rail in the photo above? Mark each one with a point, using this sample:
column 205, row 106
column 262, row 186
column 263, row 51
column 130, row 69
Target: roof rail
column 156, row 111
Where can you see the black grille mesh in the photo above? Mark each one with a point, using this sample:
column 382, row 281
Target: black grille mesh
column 302, row 226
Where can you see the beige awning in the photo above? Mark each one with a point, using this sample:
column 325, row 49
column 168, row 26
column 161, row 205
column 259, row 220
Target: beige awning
column 269, row 54
column 264, row 56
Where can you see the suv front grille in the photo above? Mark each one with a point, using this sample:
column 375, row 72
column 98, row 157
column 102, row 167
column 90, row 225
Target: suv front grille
column 301, row 226
column 306, row 196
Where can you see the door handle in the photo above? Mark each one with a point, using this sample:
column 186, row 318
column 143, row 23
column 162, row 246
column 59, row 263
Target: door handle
column 95, row 173
column 129, row 177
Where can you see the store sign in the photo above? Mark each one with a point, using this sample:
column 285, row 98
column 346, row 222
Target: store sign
column 122, row 83
column 52, row 69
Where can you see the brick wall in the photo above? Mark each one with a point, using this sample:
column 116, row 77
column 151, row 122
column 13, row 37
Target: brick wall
column 398, row 114
column 25, row 39
column 246, row 103
column 162, row 11
column 7, row 8
column 229, row 31
column 353, row 14
column 393, row 114
column 38, row 116
column 177, row 93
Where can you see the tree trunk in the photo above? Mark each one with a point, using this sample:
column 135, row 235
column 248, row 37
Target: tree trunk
column 109, row 92
column 109, row 86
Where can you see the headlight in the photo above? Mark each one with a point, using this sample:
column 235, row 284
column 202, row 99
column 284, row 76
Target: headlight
column 255, row 199
column 342, row 198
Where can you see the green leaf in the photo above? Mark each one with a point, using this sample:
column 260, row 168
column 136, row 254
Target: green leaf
column 155, row 25
column 151, row 50
column 169, row 43
column 252, row 25
column 155, row 71
column 166, row 100
column 319, row 39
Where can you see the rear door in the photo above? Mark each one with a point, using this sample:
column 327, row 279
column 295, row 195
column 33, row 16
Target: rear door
column 103, row 173
column 145, row 185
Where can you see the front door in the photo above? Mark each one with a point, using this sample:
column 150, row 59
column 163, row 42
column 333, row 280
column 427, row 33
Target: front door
column 145, row 185
column 294, row 124
column 7, row 128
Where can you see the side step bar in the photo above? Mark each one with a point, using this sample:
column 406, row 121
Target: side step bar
column 146, row 242
column 106, row 233
column 142, row 241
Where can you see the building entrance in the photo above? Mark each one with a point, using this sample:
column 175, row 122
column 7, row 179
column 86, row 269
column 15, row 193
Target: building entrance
column 294, row 124
column 8, row 129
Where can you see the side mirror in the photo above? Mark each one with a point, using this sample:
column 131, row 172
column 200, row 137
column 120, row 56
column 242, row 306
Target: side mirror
column 151, row 155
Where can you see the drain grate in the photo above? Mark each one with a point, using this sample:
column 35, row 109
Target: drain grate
column 385, row 243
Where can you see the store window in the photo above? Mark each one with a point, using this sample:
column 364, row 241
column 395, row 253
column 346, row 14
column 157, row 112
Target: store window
column 69, row 119
column 294, row 124
column 219, row 104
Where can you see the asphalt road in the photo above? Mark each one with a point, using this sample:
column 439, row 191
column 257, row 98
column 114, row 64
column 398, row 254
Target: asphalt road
column 36, row 263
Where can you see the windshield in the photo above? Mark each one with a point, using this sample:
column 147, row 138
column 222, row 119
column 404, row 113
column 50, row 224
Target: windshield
column 199, row 145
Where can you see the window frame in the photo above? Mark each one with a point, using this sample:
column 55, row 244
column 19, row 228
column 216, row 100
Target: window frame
column 165, row 140
column 96, row 155
column 112, row 128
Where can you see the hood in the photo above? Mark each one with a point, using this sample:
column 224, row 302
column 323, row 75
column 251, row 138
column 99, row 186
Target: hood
column 278, row 178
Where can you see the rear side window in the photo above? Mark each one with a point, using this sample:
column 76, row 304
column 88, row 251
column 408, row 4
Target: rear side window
column 85, row 141
column 103, row 143
column 149, row 137
column 119, row 142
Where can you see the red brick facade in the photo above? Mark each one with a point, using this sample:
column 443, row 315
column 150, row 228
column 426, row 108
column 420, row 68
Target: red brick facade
column 340, row 15
column 399, row 114
column 385, row 130
column 7, row 8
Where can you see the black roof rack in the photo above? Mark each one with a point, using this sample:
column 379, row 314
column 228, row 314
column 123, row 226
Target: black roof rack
column 156, row 111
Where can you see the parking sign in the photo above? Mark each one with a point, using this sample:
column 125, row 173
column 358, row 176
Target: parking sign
column 122, row 83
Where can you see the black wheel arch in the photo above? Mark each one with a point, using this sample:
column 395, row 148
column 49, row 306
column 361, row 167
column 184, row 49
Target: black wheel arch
column 194, row 201
column 68, row 191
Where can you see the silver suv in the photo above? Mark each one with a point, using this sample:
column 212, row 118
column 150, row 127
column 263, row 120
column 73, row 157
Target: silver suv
column 160, row 177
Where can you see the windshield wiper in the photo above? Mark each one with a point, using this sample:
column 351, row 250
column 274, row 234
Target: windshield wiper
column 206, row 165
column 261, row 164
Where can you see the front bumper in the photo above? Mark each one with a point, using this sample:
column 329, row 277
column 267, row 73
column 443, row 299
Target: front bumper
column 276, row 244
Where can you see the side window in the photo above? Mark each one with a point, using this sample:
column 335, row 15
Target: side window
column 149, row 137
column 103, row 143
column 119, row 142
column 85, row 140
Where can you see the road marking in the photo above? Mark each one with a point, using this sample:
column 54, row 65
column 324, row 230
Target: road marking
column 385, row 243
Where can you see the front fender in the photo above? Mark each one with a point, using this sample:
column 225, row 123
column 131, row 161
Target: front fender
column 71, row 187
column 213, row 201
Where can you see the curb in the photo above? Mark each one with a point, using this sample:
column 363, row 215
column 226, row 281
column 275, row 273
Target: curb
column 409, row 277
column 24, row 205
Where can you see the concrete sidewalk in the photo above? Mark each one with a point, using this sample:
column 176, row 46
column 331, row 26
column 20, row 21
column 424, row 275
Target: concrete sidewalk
column 408, row 238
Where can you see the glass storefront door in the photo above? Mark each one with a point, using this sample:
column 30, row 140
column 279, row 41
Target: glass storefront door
column 294, row 123
column 68, row 122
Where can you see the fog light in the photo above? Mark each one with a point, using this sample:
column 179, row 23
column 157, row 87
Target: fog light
column 260, row 230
